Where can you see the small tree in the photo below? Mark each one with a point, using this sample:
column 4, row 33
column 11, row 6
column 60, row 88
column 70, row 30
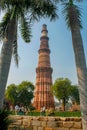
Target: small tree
column 62, row 90
column 11, row 93
column 25, row 93
column 22, row 93
column 75, row 94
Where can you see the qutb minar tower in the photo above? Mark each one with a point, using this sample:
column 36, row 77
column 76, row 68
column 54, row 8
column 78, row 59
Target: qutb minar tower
column 43, row 95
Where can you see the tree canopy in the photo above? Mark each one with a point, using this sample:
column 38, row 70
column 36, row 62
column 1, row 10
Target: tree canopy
column 22, row 93
column 75, row 94
column 63, row 90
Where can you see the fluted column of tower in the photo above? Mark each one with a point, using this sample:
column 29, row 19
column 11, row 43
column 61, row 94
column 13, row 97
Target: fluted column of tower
column 43, row 95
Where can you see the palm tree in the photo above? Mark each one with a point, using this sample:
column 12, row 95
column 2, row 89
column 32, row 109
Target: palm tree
column 73, row 20
column 22, row 13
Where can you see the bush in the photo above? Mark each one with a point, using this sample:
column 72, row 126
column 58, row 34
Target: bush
column 4, row 121
column 31, row 108
column 34, row 113
column 68, row 114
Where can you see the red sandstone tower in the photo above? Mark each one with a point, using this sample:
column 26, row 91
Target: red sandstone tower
column 43, row 95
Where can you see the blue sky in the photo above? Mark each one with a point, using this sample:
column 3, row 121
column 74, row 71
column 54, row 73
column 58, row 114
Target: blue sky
column 60, row 43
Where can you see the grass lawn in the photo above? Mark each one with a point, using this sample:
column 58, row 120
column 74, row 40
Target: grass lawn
column 55, row 113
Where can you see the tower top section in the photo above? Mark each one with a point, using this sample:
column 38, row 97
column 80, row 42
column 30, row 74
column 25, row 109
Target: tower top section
column 44, row 31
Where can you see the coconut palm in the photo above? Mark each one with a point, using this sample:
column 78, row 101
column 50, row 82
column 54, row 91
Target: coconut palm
column 73, row 20
column 20, row 13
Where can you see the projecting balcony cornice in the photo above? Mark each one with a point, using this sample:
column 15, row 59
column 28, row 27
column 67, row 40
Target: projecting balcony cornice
column 44, row 30
column 44, row 69
column 44, row 37
column 43, row 50
column 45, row 83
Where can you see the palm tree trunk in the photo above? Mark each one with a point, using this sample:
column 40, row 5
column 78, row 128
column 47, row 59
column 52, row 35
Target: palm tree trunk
column 81, row 71
column 5, row 58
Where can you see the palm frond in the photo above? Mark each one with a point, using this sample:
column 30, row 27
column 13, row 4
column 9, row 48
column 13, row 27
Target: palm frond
column 4, row 24
column 11, row 3
column 72, row 15
column 50, row 10
column 3, row 6
column 79, row 0
column 13, row 12
column 15, row 50
column 58, row 1
column 16, row 11
column 25, row 29
column 43, row 8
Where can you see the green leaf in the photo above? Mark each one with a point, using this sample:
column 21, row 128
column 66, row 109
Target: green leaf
column 25, row 29
column 4, row 24
column 72, row 15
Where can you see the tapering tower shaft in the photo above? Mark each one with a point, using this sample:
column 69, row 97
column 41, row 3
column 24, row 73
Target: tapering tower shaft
column 43, row 95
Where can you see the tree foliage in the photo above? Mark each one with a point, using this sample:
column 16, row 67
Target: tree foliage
column 64, row 90
column 75, row 94
column 11, row 93
column 22, row 93
column 25, row 93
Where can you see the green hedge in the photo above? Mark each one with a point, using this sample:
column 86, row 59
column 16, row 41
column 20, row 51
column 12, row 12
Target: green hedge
column 62, row 114
column 68, row 114
column 54, row 113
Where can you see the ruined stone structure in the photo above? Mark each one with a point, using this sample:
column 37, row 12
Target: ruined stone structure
column 44, row 123
column 43, row 95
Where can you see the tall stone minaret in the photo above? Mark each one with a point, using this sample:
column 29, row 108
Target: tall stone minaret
column 43, row 95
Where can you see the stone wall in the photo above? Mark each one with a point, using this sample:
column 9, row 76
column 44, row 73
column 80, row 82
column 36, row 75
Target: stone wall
column 45, row 123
